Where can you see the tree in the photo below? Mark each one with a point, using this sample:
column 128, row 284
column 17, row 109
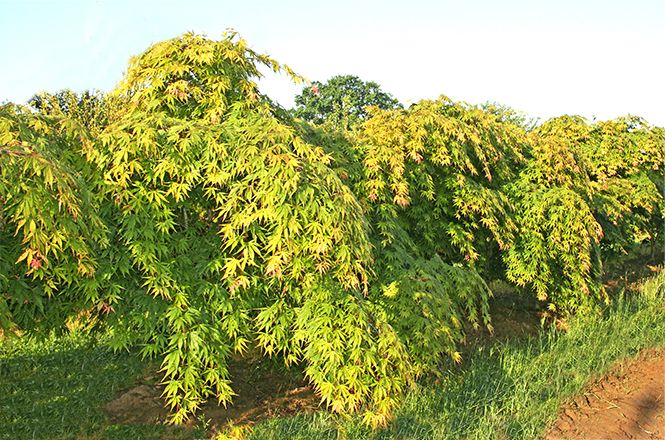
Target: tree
column 220, row 229
column 432, row 181
column 586, row 191
column 236, row 232
column 50, row 230
column 342, row 101
column 93, row 110
column 627, row 158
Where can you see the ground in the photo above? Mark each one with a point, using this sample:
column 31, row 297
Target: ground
column 629, row 403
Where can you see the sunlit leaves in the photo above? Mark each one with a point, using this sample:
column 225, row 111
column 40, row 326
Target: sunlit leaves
column 445, row 161
column 202, row 172
column 585, row 186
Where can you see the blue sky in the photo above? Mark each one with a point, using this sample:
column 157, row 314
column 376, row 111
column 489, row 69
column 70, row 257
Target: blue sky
column 546, row 58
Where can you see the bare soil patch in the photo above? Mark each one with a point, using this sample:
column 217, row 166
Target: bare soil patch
column 137, row 406
column 629, row 403
column 262, row 393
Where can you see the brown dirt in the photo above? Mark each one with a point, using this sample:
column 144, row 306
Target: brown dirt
column 138, row 405
column 629, row 403
column 263, row 392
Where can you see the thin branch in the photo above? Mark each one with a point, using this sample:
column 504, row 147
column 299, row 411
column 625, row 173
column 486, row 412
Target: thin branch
column 5, row 148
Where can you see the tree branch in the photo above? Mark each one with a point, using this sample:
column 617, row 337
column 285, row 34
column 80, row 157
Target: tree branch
column 5, row 148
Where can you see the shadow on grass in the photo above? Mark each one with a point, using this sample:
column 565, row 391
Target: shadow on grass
column 55, row 389
column 455, row 408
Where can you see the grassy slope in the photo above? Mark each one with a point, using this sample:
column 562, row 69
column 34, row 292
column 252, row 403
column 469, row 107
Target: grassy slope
column 55, row 388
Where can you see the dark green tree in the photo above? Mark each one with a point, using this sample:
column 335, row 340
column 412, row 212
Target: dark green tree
column 342, row 101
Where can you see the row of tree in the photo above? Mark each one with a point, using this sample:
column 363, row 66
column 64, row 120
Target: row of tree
column 186, row 215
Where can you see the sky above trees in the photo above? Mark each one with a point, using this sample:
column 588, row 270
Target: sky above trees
column 586, row 57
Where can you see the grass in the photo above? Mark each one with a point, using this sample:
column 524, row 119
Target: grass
column 55, row 388
column 511, row 390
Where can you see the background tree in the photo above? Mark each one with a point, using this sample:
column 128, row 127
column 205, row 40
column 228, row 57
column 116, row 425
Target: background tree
column 342, row 101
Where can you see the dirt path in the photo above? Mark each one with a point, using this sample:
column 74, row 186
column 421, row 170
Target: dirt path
column 629, row 403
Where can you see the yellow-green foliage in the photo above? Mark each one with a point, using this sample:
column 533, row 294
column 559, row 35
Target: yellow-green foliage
column 224, row 211
column 215, row 211
column 427, row 300
column 583, row 187
column 430, row 181
column 446, row 162
column 558, row 234
column 627, row 159
column 188, row 217
column 49, row 227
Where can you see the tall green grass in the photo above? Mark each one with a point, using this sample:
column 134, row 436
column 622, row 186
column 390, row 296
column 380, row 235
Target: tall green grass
column 511, row 390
